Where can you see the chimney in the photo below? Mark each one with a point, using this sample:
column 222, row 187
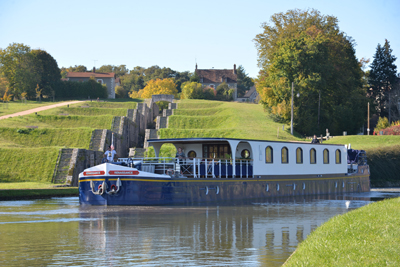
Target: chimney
column 94, row 69
column 234, row 68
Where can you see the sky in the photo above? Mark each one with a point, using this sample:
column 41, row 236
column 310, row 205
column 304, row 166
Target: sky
column 178, row 34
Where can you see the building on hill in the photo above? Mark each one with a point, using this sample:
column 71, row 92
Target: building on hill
column 107, row 78
column 250, row 96
column 213, row 77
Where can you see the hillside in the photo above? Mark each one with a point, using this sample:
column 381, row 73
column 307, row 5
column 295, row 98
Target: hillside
column 29, row 154
column 202, row 118
column 29, row 144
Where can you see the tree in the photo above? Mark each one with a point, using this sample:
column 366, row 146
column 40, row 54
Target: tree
column 223, row 92
column 244, row 82
column 118, row 70
column 17, row 65
column 47, row 71
column 382, row 78
column 77, row 68
column 159, row 86
column 192, row 90
column 309, row 50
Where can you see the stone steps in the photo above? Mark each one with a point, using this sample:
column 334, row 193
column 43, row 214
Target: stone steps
column 61, row 171
column 96, row 140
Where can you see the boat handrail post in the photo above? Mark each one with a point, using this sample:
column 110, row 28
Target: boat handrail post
column 247, row 169
column 205, row 168
column 213, row 173
column 219, row 166
column 233, row 168
column 226, row 168
column 194, row 168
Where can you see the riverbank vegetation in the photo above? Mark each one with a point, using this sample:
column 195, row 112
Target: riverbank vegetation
column 368, row 236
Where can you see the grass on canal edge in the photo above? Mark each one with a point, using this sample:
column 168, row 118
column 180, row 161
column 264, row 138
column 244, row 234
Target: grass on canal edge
column 37, row 193
column 368, row 236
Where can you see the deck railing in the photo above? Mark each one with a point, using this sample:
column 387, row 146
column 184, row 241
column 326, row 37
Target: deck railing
column 195, row 167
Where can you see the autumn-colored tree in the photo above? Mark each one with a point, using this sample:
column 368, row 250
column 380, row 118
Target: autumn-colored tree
column 159, row 86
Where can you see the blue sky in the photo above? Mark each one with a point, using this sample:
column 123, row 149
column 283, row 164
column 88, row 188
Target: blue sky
column 177, row 34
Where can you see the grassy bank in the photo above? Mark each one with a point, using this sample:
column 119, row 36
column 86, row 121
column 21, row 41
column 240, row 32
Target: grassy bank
column 383, row 155
column 38, row 193
column 368, row 236
column 201, row 118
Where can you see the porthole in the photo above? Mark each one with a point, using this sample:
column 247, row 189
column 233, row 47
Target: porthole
column 192, row 154
column 335, row 184
column 343, row 184
column 277, row 187
column 245, row 154
column 294, row 187
column 267, row 188
column 304, row 186
column 217, row 190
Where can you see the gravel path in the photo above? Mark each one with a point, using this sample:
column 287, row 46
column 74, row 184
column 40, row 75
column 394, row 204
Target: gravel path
column 30, row 111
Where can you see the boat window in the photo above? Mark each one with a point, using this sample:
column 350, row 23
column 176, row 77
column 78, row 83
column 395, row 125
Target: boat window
column 299, row 155
column 313, row 156
column 192, row 154
column 326, row 156
column 285, row 155
column 338, row 156
column 217, row 151
column 269, row 158
column 245, row 154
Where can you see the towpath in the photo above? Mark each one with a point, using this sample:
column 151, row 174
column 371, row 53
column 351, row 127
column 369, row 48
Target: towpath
column 30, row 111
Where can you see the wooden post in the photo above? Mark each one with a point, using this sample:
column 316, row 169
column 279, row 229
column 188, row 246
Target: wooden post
column 368, row 121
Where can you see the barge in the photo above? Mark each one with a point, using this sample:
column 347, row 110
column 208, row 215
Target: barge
column 223, row 170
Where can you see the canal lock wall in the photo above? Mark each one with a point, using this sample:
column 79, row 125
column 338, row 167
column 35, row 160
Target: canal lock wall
column 130, row 134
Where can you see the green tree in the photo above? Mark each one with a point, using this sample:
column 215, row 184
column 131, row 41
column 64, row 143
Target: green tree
column 192, row 90
column 309, row 50
column 17, row 65
column 77, row 68
column 244, row 82
column 382, row 78
column 118, row 70
column 223, row 92
column 47, row 71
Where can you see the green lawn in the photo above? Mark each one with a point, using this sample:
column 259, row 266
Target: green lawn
column 368, row 236
column 366, row 142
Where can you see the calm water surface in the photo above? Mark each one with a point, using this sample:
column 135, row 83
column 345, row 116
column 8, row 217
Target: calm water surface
column 58, row 231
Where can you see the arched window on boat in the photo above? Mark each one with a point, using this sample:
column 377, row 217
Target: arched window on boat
column 338, row 156
column 285, row 155
column 299, row 155
column 269, row 158
column 313, row 156
column 326, row 156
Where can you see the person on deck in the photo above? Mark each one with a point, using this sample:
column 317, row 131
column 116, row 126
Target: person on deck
column 110, row 154
column 180, row 154
column 315, row 140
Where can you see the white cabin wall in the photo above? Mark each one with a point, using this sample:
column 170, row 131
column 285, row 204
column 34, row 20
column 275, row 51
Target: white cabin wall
column 279, row 168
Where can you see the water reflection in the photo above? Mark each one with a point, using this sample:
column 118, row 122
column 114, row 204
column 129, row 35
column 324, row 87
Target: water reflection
column 60, row 232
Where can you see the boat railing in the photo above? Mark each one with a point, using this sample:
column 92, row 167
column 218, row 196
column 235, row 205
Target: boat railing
column 194, row 167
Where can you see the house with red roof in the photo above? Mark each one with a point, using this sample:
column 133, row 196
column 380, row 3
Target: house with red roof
column 108, row 78
column 213, row 77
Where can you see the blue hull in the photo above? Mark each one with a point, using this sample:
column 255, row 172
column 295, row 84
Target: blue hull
column 144, row 191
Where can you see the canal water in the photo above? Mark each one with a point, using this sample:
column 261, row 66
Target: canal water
column 59, row 232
